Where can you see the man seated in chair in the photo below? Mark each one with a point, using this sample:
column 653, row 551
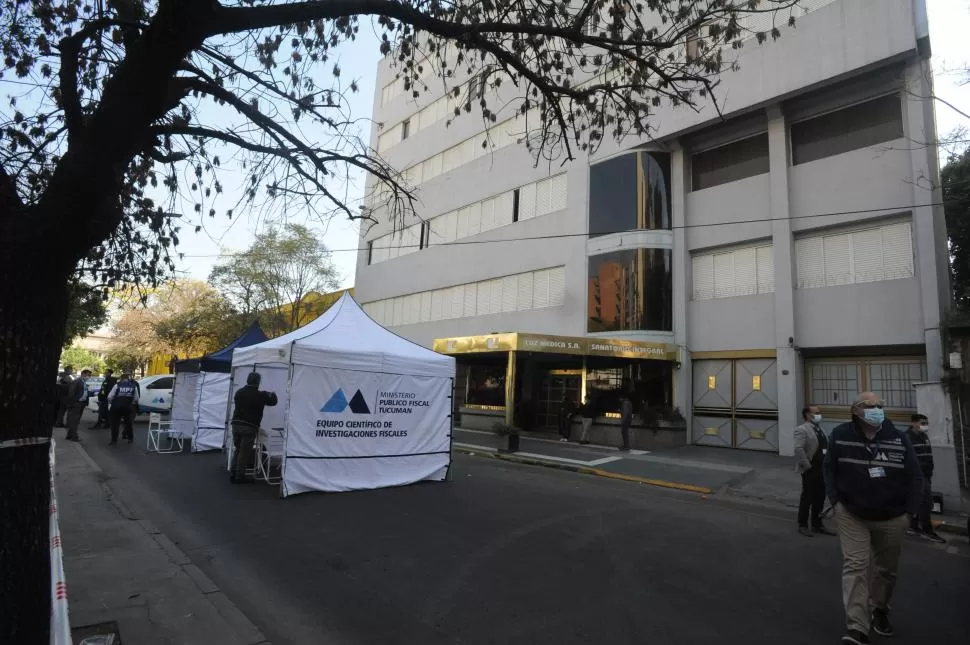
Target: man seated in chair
column 246, row 417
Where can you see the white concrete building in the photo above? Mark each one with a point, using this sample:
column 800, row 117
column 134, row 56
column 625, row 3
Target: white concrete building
column 735, row 270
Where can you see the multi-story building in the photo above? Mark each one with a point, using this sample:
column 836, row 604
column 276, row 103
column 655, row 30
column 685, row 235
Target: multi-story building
column 735, row 269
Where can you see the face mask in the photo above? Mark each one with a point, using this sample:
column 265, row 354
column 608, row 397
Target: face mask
column 817, row 419
column 874, row 416
column 923, row 428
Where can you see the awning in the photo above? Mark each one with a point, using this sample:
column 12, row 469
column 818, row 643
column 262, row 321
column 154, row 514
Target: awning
column 542, row 343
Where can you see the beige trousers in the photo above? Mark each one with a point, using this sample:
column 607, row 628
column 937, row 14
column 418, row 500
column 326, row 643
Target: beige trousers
column 868, row 544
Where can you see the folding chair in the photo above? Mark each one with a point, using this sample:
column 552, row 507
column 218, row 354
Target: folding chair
column 159, row 430
column 269, row 447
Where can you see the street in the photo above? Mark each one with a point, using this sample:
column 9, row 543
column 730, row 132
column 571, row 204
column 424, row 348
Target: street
column 505, row 553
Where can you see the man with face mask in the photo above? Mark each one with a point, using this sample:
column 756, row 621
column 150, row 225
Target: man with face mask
column 917, row 435
column 810, row 447
column 874, row 482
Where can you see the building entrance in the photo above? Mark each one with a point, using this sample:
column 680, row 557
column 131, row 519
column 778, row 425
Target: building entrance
column 554, row 386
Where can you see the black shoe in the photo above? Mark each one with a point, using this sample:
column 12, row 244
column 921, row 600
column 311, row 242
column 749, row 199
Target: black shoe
column 803, row 530
column 854, row 637
column 881, row 624
column 821, row 530
column 933, row 537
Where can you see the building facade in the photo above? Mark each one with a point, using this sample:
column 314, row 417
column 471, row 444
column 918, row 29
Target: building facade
column 732, row 270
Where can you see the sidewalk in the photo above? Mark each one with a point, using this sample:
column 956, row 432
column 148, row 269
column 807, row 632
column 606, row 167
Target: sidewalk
column 755, row 476
column 121, row 570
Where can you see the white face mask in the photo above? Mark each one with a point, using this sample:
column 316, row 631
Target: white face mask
column 923, row 428
column 816, row 419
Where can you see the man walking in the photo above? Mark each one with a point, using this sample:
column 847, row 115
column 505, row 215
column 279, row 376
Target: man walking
column 810, row 448
column 626, row 418
column 78, row 400
column 246, row 417
column 917, row 434
column 566, row 411
column 586, row 414
column 64, row 381
column 106, row 386
column 122, row 402
column 873, row 480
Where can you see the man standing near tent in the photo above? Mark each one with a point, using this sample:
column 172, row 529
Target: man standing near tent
column 246, row 417
column 123, row 405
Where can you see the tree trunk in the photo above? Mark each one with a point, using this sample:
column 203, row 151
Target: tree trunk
column 33, row 313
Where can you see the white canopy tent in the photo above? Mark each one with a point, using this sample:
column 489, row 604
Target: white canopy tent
column 360, row 407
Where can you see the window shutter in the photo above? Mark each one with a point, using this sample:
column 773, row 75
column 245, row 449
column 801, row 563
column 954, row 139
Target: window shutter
column 471, row 300
column 495, row 295
column 488, row 214
column 897, row 242
column 432, row 167
column 557, row 201
column 510, row 293
column 437, row 302
column 425, row 307
column 867, row 256
column 415, row 302
column 463, row 224
column 527, row 202
column 377, row 311
column 458, row 301
column 474, row 218
column 447, row 228
column 503, row 209
column 524, row 297
column 467, row 150
column 543, row 195
column 702, row 273
column 398, row 314
column 837, row 255
column 745, row 272
column 484, row 305
column 809, row 263
column 557, row 286
column 395, row 247
column 724, row 275
column 540, row 289
column 766, row 269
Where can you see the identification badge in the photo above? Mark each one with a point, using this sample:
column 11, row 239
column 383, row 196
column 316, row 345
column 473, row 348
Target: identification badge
column 825, row 451
column 877, row 472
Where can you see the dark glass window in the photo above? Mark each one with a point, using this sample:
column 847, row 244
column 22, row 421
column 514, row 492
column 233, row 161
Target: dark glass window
column 486, row 385
column 851, row 128
column 648, row 383
column 731, row 162
column 370, row 251
column 630, row 290
column 630, row 192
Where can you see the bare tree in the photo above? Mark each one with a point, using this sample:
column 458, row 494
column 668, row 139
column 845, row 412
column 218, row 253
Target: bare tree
column 106, row 131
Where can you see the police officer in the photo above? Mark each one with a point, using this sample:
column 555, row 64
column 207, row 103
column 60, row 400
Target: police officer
column 246, row 417
column 106, row 386
column 123, row 400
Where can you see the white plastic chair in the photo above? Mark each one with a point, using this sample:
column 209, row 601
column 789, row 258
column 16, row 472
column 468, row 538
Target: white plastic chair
column 158, row 430
column 269, row 446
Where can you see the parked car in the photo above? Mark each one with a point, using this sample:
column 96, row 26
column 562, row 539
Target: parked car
column 94, row 386
column 156, row 393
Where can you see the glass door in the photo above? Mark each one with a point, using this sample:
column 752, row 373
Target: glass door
column 557, row 384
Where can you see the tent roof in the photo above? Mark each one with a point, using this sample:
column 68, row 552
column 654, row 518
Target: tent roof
column 344, row 337
column 221, row 361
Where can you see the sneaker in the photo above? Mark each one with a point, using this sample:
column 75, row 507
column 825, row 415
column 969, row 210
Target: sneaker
column 933, row 537
column 854, row 637
column 803, row 530
column 881, row 624
column 913, row 532
column 563, row 440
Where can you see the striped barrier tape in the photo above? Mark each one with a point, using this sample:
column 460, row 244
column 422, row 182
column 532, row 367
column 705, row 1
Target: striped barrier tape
column 60, row 622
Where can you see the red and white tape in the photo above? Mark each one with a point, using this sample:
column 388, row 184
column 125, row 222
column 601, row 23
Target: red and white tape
column 60, row 622
column 28, row 441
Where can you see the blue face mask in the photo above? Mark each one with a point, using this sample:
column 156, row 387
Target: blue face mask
column 874, row 416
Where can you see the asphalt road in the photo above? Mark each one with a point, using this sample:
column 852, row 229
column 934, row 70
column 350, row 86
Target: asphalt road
column 517, row 555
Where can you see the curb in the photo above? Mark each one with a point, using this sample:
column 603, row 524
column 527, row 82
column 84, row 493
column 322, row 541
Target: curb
column 585, row 470
column 219, row 601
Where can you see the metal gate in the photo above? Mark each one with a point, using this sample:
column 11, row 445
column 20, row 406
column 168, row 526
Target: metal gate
column 736, row 403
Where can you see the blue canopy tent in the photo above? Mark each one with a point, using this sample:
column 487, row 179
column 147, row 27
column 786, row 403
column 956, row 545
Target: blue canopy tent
column 200, row 396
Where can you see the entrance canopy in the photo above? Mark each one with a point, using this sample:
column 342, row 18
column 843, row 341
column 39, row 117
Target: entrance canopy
column 359, row 407
column 542, row 343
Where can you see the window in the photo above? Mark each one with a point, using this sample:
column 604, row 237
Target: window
column 164, row 383
column 836, row 382
column 731, row 162
column 629, row 192
column 859, row 126
column 740, row 272
column 370, row 251
column 425, row 234
column 647, row 382
column 515, row 206
column 486, row 385
column 405, row 129
column 630, row 290
column 870, row 255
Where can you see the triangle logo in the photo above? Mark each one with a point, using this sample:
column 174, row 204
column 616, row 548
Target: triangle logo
column 358, row 405
column 337, row 402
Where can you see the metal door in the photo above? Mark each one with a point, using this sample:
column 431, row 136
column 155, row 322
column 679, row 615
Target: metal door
column 736, row 403
column 555, row 385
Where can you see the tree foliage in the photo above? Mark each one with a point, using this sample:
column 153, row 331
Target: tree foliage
column 956, row 198
column 273, row 277
column 87, row 311
column 81, row 358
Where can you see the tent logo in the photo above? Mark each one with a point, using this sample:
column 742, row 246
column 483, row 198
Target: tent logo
column 338, row 403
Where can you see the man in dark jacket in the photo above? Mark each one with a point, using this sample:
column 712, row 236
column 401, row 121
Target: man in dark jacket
column 873, row 480
column 246, row 417
column 123, row 404
column 64, row 381
column 78, row 400
column 106, row 386
column 917, row 436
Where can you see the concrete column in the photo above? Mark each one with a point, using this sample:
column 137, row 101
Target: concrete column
column 929, row 227
column 788, row 363
column 680, row 264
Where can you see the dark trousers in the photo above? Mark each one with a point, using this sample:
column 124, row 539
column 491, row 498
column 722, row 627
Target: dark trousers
column 813, row 497
column 103, row 419
column 625, row 432
column 565, row 424
column 922, row 521
column 63, row 405
column 119, row 415
column 74, row 419
column 243, row 438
